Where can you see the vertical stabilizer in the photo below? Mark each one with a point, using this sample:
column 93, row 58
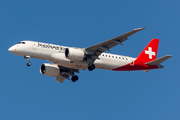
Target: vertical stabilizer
column 150, row 51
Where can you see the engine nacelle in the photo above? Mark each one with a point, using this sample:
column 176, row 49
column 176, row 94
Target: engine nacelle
column 49, row 69
column 74, row 54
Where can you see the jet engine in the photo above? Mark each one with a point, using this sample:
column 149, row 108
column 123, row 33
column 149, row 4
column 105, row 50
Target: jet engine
column 74, row 54
column 49, row 69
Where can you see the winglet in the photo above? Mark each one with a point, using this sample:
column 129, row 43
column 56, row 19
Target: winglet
column 139, row 29
column 159, row 60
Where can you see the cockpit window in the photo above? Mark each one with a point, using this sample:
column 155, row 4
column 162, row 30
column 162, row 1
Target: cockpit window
column 21, row 43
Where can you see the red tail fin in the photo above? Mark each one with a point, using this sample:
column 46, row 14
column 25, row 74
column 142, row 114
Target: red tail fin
column 150, row 51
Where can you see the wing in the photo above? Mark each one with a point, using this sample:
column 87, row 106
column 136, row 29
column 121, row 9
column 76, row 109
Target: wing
column 97, row 49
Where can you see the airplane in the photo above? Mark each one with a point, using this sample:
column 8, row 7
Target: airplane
column 66, row 61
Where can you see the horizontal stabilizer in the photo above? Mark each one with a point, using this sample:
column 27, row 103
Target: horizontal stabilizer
column 159, row 60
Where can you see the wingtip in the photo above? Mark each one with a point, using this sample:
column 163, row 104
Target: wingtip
column 169, row 55
column 139, row 29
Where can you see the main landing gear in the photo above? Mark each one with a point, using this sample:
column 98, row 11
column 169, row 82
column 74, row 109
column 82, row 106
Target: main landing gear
column 91, row 67
column 28, row 59
column 70, row 72
column 90, row 63
column 74, row 78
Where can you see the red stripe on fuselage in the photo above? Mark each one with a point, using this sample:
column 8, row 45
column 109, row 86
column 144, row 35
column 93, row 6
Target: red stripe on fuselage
column 137, row 65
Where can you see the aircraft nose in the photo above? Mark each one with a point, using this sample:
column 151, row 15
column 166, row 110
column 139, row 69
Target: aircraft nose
column 12, row 49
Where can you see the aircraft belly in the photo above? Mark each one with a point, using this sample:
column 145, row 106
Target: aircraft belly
column 74, row 64
column 80, row 65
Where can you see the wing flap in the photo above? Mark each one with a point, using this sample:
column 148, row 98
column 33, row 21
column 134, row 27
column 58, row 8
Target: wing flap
column 60, row 79
column 159, row 60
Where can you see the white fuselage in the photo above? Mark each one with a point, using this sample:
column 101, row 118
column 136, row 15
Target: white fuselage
column 55, row 54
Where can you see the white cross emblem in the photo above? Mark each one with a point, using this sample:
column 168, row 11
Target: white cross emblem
column 150, row 52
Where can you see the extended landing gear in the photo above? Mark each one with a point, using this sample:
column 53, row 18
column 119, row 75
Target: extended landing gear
column 90, row 63
column 69, row 72
column 28, row 59
column 91, row 67
column 28, row 64
column 74, row 78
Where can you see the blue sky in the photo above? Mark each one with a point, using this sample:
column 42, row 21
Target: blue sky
column 25, row 94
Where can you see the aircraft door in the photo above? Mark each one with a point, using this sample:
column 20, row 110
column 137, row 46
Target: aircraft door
column 132, row 63
column 34, row 45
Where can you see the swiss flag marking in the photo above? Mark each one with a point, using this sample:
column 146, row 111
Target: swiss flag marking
column 150, row 52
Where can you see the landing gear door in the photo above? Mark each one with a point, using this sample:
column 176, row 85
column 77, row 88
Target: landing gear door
column 34, row 45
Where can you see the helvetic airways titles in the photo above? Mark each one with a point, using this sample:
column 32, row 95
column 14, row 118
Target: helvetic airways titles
column 43, row 45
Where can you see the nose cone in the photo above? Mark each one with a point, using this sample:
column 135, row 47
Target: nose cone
column 12, row 49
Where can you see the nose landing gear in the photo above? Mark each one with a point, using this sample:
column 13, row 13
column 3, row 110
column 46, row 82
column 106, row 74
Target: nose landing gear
column 28, row 59
column 28, row 64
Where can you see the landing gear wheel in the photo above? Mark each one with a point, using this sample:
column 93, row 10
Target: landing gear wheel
column 91, row 67
column 28, row 64
column 28, row 59
column 74, row 78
